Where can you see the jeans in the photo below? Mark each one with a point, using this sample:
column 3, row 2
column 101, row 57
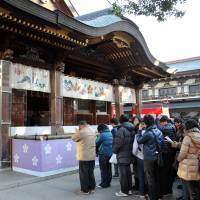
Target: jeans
column 151, row 172
column 86, row 175
column 194, row 189
column 106, row 171
column 141, row 176
column 185, row 190
column 125, row 178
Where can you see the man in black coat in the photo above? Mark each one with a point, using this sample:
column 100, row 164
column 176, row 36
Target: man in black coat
column 167, row 171
column 122, row 146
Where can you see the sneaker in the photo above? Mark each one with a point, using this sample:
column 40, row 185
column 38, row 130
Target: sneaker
column 121, row 194
column 99, row 186
column 130, row 192
column 116, row 176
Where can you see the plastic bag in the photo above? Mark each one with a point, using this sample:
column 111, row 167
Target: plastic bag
column 135, row 147
column 113, row 159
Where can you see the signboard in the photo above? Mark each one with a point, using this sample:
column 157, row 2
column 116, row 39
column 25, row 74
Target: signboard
column 86, row 89
column 154, row 109
column 30, row 78
column 127, row 95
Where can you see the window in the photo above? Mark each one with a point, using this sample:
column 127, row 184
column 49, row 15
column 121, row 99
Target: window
column 145, row 93
column 194, row 89
column 83, row 106
column 38, row 109
column 167, row 91
column 101, row 107
column 69, row 111
column 19, row 107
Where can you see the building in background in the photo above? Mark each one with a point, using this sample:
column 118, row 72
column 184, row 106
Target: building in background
column 180, row 92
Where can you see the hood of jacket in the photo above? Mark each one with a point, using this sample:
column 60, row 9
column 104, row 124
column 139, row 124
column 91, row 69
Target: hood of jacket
column 128, row 126
column 195, row 136
column 151, row 127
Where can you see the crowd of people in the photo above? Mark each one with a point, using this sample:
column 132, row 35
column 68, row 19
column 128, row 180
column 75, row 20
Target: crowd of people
column 157, row 151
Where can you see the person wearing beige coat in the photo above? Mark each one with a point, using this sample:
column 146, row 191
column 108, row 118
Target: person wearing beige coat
column 188, row 158
column 85, row 139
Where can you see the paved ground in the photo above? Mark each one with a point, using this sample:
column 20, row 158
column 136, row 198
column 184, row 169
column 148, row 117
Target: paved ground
column 9, row 178
column 60, row 188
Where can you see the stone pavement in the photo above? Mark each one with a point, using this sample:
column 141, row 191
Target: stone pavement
column 9, row 179
column 64, row 187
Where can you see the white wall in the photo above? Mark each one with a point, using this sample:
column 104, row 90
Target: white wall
column 189, row 81
column 44, row 130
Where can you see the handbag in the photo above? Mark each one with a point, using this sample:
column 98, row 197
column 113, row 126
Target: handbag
column 135, row 147
column 113, row 159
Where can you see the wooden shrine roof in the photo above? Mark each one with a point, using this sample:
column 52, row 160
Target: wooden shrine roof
column 115, row 49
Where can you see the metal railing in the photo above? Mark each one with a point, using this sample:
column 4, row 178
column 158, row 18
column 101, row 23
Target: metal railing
column 172, row 96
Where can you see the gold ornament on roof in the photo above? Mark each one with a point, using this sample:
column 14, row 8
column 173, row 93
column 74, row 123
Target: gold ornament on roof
column 7, row 54
column 121, row 43
column 44, row 1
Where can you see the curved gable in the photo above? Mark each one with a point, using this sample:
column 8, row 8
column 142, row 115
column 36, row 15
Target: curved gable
column 55, row 5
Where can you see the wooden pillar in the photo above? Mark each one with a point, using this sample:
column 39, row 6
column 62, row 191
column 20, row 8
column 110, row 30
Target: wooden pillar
column 5, row 114
column 56, row 99
column 118, row 104
column 138, row 106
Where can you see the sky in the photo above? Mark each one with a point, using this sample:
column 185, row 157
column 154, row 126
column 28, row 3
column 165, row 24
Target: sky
column 167, row 41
